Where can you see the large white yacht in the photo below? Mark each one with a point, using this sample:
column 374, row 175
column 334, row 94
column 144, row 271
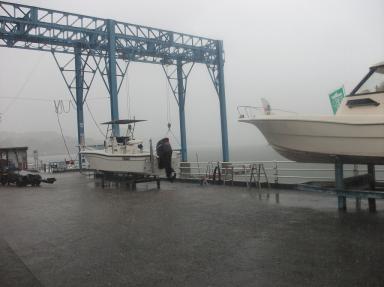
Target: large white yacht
column 125, row 154
column 354, row 135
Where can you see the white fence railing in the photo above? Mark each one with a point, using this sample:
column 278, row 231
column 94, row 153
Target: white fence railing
column 276, row 171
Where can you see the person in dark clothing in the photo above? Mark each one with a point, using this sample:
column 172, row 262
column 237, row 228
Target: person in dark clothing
column 164, row 152
column 160, row 152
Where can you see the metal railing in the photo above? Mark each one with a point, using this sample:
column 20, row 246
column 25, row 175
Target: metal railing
column 277, row 171
column 249, row 112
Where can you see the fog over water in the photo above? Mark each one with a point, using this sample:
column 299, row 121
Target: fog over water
column 291, row 52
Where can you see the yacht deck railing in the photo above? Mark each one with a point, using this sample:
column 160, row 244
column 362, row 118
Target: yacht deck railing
column 249, row 112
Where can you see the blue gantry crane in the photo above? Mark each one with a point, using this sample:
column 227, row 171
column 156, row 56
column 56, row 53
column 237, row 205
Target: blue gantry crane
column 108, row 46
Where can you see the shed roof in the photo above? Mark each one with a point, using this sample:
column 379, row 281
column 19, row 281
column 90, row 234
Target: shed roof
column 16, row 148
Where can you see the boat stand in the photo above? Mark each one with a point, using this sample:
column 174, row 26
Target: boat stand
column 343, row 193
column 339, row 184
column 126, row 179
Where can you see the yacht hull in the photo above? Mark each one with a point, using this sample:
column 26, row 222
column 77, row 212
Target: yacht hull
column 322, row 139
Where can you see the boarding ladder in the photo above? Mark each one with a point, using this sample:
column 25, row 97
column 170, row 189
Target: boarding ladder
column 257, row 170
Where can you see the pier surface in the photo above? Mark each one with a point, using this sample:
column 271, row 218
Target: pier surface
column 74, row 233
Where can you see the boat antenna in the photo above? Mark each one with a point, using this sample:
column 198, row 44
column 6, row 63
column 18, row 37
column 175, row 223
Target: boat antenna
column 131, row 129
column 106, row 134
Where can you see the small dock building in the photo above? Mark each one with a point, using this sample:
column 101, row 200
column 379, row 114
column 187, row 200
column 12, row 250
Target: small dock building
column 15, row 157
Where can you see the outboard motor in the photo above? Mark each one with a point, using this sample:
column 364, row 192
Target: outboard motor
column 164, row 152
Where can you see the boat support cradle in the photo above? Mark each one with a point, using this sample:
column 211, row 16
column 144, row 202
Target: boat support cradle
column 129, row 180
column 342, row 193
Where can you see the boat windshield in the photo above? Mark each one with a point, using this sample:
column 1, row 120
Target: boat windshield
column 374, row 82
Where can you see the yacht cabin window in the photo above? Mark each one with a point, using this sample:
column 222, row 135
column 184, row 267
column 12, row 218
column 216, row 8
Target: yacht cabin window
column 374, row 83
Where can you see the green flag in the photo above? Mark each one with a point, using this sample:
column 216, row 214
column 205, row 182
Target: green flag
column 335, row 98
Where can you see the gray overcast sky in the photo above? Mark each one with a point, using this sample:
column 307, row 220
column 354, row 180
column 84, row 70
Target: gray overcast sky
column 291, row 52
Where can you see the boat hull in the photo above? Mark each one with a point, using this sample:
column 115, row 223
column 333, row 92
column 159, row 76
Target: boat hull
column 124, row 163
column 322, row 140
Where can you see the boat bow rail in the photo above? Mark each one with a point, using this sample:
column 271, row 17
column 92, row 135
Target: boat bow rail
column 251, row 112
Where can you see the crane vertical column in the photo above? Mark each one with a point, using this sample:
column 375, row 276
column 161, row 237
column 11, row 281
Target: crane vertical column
column 111, row 70
column 79, row 100
column 223, row 109
column 181, row 97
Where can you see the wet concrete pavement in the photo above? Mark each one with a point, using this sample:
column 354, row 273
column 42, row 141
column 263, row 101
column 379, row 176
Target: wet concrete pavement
column 74, row 233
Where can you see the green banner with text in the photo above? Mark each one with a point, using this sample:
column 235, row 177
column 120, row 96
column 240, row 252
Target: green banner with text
column 335, row 98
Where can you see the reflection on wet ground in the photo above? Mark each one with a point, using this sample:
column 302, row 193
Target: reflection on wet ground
column 74, row 233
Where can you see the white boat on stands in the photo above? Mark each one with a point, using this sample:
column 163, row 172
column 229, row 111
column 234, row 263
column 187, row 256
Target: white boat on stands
column 354, row 135
column 125, row 154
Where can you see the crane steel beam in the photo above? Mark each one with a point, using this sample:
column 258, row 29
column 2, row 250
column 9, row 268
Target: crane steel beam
column 36, row 28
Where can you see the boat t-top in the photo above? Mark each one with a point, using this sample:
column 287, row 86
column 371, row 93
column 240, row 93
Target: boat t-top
column 355, row 134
